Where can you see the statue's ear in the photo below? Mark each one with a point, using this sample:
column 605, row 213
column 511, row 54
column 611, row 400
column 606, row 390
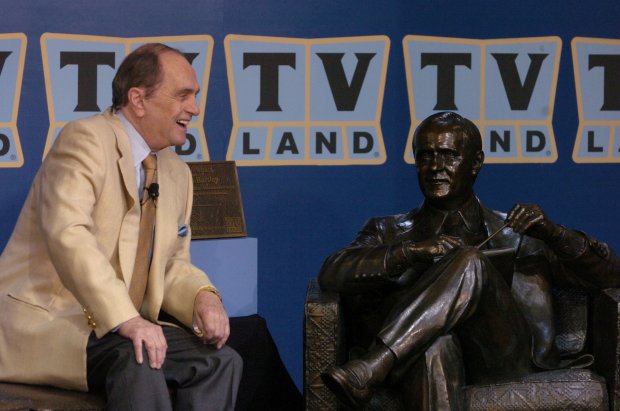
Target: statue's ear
column 478, row 161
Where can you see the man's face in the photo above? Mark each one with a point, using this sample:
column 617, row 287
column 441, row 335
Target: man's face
column 446, row 169
column 171, row 106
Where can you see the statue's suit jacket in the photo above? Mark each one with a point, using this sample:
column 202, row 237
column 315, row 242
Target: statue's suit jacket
column 66, row 268
column 369, row 270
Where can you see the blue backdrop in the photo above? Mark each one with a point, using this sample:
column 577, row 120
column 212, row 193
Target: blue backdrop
column 300, row 214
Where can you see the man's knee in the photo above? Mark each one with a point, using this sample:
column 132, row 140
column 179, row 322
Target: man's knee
column 123, row 356
column 142, row 373
column 232, row 358
column 133, row 383
column 226, row 359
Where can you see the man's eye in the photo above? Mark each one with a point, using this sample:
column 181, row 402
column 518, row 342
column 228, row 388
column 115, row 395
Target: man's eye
column 184, row 96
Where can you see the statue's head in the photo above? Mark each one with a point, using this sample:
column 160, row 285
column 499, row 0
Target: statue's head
column 448, row 156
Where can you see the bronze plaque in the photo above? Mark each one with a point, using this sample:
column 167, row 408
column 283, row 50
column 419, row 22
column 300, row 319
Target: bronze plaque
column 217, row 210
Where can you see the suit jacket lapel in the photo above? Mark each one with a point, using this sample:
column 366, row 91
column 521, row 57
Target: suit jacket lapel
column 128, row 236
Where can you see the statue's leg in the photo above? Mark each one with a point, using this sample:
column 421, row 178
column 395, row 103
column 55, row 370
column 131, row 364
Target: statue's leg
column 463, row 293
column 435, row 382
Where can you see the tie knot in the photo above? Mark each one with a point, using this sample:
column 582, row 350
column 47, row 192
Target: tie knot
column 454, row 218
column 150, row 177
column 150, row 162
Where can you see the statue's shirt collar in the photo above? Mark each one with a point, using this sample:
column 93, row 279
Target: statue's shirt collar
column 469, row 215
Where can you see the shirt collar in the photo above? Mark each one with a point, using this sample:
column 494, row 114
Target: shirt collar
column 470, row 213
column 139, row 148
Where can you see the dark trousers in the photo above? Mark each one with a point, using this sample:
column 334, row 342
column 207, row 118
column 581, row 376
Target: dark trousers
column 198, row 375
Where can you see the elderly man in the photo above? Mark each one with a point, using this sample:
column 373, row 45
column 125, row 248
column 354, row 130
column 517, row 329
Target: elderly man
column 427, row 297
column 101, row 249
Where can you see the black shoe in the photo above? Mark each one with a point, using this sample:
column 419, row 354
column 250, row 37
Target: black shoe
column 350, row 383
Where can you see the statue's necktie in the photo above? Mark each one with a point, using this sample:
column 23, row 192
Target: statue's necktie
column 454, row 225
column 145, row 239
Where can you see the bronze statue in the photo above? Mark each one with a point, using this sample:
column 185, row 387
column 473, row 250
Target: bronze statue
column 431, row 302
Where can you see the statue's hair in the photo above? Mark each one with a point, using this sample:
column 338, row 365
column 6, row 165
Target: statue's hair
column 451, row 121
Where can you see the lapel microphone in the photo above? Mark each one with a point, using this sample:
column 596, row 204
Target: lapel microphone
column 153, row 191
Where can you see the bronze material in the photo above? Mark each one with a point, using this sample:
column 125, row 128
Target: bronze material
column 564, row 389
column 417, row 284
column 217, row 210
column 490, row 237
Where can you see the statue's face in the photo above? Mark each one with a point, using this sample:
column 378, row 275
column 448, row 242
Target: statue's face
column 446, row 169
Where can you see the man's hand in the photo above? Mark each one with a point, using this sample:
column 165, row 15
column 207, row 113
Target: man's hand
column 428, row 250
column 141, row 331
column 211, row 319
column 531, row 220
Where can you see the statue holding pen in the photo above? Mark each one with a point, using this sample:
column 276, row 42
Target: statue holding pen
column 453, row 293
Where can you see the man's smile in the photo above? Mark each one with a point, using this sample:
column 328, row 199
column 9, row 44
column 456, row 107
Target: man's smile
column 183, row 123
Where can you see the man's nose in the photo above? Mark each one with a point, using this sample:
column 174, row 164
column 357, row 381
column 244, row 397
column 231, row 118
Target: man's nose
column 193, row 107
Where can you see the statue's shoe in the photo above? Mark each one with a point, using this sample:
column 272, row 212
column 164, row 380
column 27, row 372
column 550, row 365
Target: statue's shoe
column 349, row 383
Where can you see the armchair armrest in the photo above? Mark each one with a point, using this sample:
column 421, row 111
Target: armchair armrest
column 323, row 345
column 606, row 345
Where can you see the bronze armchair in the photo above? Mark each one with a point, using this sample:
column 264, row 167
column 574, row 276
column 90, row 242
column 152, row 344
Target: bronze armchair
column 585, row 324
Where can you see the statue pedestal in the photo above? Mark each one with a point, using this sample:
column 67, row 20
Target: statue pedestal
column 231, row 264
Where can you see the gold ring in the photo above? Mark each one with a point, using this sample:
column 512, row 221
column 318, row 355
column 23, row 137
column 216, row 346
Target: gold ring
column 197, row 331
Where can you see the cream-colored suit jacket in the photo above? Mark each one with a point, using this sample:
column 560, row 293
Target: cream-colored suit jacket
column 66, row 268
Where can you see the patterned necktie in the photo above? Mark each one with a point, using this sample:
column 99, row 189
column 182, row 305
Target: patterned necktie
column 145, row 239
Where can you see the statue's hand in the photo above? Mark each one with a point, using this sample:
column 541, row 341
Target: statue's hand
column 531, row 220
column 428, row 250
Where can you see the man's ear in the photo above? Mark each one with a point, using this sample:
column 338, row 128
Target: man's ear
column 478, row 161
column 135, row 101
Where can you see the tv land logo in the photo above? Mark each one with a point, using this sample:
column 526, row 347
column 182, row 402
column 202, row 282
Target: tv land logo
column 507, row 87
column 306, row 102
column 79, row 70
column 12, row 56
column 596, row 65
column 300, row 101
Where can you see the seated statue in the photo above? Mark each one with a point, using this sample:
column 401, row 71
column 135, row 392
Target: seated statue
column 431, row 306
